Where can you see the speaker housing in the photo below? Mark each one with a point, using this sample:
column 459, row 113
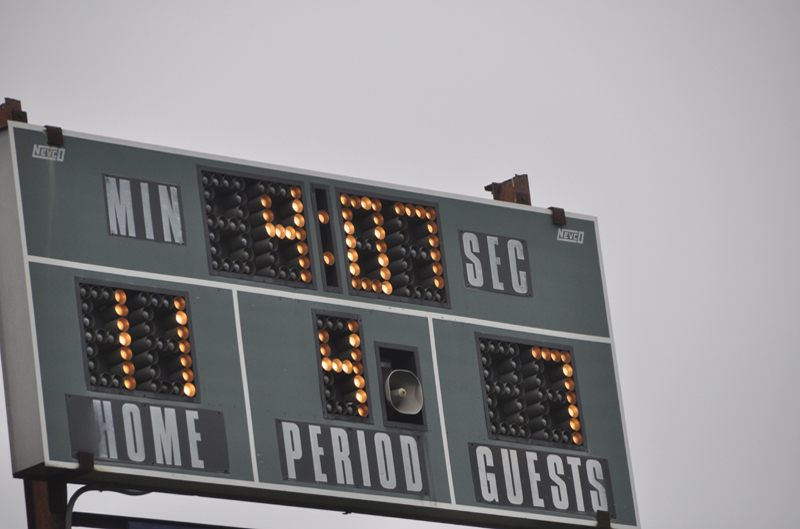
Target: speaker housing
column 394, row 358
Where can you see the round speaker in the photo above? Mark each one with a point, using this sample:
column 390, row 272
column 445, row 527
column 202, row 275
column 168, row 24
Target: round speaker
column 404, row 392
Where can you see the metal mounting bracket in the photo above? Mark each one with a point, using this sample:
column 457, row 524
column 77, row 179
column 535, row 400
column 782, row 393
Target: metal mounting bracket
column 11, row 110
column 559, row 216
column 512, row 190
column 55, row 137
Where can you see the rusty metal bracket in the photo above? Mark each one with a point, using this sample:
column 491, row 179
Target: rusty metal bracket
column 559, row 216
column 512, row 190
column 55, row 137
column 11, row 110
column 517, row 190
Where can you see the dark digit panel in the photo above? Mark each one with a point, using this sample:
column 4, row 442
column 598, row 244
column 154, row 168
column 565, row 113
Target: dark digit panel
column 137, row 341
column 256, row 228
column 330, row 278
column 343, row 377
column 530, row 392
column 393, row 249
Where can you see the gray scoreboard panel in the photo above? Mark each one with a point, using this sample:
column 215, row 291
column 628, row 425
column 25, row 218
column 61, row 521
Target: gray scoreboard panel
column 198, row 325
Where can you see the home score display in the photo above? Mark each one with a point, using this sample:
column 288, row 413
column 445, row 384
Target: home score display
column 207, row 326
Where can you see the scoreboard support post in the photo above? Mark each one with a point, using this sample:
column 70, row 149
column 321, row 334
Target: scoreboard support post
column 45, row 503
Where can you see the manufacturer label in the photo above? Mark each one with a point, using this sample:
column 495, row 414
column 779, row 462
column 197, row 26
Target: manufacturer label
column 535, row 479
column 148, row 434
column 318, row 453
column 144, row 210
column 45, row 152
column 570, row 236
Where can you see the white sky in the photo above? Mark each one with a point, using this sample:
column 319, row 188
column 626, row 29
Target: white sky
column 677, row 125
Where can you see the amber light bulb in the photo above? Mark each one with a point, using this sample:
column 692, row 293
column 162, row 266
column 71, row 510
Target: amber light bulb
column 181, row 318
column 361, row 396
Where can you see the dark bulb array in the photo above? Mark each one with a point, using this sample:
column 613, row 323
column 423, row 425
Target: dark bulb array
column 393, row 249
column 256, row 229
column 530, row 392
column 136, row 341
column 341, row 367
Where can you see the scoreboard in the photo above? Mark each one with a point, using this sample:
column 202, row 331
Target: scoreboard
column 203, row 325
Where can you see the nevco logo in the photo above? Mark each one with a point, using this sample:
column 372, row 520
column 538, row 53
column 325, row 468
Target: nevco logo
column 45, row 152
column 144, row 210
column 570, row 236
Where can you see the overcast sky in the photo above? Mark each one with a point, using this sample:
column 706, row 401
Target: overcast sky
column 677, row 125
